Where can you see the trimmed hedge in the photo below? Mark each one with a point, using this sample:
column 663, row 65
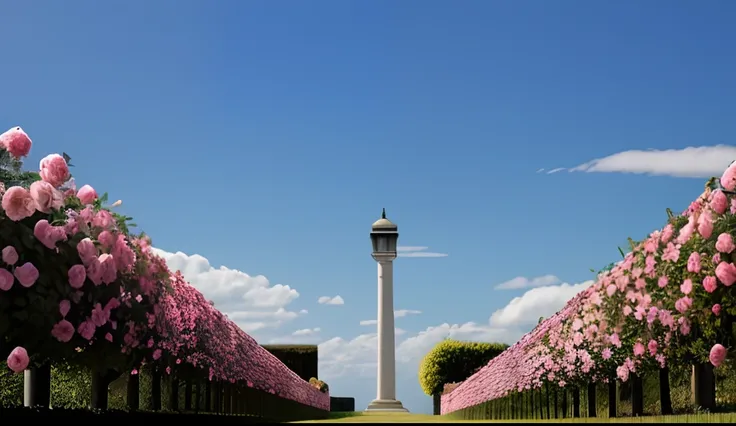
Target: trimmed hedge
column 453, row 361
column 301, row 359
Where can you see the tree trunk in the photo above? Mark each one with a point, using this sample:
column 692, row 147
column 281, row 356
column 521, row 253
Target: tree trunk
column 532, row 411
column 564, row 403
column 555, row 401
column 99, row 388
column 228, row 398
column 703, row 384
column 576, row 402
column 665, row 397
column 198, row 397
column 188, row 395
column 436, row 404
column 174, row 394
column 216, row 397
column 133, row 392
column 624, row 391
column 546, row 387
column 156, row 390
column 592, row 406
column 37, row 386
column 208, row 397
column 612, row 408
column 637, row 396
column 541, row 404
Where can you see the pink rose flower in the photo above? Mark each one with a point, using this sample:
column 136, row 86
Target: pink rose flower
column 77, row 275
column 687, row 286
column 717, row 355
column 18, row 203
column 683, row 304
column 710, row 284
column 86, row 330
column 16, row 142
column 99, row 315
column 48, row 235
column 6, row 279
column 103, row 219
column 106, row 239
column 662, row 281
column 108, row 337
column 46, row 197
column 95, row 271
column 87, row 194
column 109, row 270
column 719, row 202
column 87, row 251
column 63, row 331
column 27, row 274
column 124, row 256
column 111, row 304
column 693, row 262
column 18, row 359
column 54, row 170
column 639, row 349
column 652, row 346
column 728, row 179
column 726, row 272
column 705, row 224
column 64, row 307
column 10, row 256
column 716, row 309
column 725, row 244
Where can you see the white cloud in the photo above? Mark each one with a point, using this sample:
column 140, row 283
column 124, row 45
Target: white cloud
column 693, row 162
column 306, row 331
column 327, row 300
column 417, row 251
column 523, row 282
column 250, row 301
column 537, row 302
column 339, row 356
column 304, row 312
column 404, row 312
column 399, row 313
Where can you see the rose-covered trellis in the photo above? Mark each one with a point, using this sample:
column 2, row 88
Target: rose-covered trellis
column 671, row 300
column 76, row 286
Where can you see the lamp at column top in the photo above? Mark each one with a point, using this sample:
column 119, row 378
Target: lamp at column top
column 384, row 236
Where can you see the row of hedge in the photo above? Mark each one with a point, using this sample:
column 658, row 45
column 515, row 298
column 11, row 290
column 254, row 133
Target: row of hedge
column 669, row 302
column 78, row 288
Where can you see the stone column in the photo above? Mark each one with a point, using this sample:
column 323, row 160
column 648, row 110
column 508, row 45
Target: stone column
column 386, row 382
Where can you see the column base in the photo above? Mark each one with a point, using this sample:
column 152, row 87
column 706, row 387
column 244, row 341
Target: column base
column 386, row 405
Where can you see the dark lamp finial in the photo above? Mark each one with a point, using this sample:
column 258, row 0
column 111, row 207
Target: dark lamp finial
column 383, row 214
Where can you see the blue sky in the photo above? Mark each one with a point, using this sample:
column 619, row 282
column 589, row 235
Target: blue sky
column 265, row 137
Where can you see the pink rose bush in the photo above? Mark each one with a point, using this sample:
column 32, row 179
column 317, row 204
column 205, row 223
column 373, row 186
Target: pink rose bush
column 670, row 300
column 73, row 272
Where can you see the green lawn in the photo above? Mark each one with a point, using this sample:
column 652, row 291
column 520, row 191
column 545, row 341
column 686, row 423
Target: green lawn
column 360, row 417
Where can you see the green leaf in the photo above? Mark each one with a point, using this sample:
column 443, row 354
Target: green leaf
column 20, row 302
